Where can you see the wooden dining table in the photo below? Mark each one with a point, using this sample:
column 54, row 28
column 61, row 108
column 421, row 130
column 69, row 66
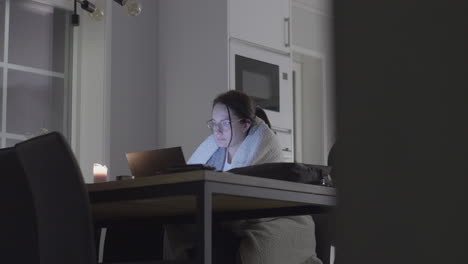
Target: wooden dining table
column 202, row 197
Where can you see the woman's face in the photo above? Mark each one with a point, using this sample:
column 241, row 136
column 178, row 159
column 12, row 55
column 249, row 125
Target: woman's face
column 221, row 129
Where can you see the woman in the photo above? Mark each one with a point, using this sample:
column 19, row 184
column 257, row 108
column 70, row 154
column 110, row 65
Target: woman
column 239, row 139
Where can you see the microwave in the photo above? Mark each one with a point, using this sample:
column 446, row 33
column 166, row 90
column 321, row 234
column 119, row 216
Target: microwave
column 266, row 77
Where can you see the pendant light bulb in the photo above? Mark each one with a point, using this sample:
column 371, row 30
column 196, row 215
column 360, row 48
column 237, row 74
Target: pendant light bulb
column 133, row 7
column 97, row 15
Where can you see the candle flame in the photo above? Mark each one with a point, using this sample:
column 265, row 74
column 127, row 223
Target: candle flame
column 99, row 169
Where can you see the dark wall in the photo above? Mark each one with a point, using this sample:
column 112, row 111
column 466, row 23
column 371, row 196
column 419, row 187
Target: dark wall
column 402, row 98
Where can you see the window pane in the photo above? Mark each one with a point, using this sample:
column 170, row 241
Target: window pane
column 2, row 27
column 34, row 103
column 11, row 142
column 45, row 25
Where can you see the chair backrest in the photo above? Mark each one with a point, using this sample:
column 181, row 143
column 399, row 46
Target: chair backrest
column 325, row 223
column 18, row 232
column 64, row 224
column 262, row 115
column 324, row 235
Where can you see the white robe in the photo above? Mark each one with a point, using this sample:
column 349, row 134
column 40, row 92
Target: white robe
column 260, row 146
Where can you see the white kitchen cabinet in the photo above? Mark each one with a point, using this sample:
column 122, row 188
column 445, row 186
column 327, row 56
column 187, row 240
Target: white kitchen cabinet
column 263, row 22
column 285, row 138
column 310, row 29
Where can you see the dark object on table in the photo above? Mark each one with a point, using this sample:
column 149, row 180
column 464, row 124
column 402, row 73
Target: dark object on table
column 124, row 177
column 286, row 171
column 184, row 168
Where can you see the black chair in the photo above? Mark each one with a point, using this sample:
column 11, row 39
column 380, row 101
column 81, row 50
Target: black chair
column 132, row 243
column 324, row 235
column 62, row 210
column 262, row 115
column 325, row 223
column 18, row 232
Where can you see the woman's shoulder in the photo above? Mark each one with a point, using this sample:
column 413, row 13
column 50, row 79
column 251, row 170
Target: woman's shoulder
column 261, row 130
column 262, row 145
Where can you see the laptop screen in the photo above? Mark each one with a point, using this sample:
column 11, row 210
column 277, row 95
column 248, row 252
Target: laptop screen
column 149, row 163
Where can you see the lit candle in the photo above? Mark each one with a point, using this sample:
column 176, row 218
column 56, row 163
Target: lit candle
column 99, row 172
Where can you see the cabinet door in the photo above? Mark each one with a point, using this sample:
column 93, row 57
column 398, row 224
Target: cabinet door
column 285, row 138
column 263, row 22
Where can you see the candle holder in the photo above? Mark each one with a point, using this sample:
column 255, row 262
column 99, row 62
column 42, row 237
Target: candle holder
column 99, row 172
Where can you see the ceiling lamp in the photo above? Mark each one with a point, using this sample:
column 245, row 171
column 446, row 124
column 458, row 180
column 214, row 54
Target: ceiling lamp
column 133, row 6
column 133, row 9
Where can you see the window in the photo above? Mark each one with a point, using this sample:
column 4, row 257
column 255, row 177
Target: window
column 35, row 45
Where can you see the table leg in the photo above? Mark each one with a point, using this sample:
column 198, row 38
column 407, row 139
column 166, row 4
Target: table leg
column 102, row 239
column 204, row 219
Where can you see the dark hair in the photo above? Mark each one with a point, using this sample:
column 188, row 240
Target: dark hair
column 241, row 104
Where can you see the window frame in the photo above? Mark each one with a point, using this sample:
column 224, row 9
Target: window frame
column 90, row 86
column 7, row 65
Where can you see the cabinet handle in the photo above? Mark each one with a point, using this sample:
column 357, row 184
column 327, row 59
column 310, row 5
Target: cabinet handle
column 287, row 34
column 287, row 150
column 282, row 130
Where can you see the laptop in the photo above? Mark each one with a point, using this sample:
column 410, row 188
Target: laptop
column 160, row 161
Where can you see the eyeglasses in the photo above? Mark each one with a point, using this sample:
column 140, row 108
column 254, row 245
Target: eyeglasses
column 223, row 125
